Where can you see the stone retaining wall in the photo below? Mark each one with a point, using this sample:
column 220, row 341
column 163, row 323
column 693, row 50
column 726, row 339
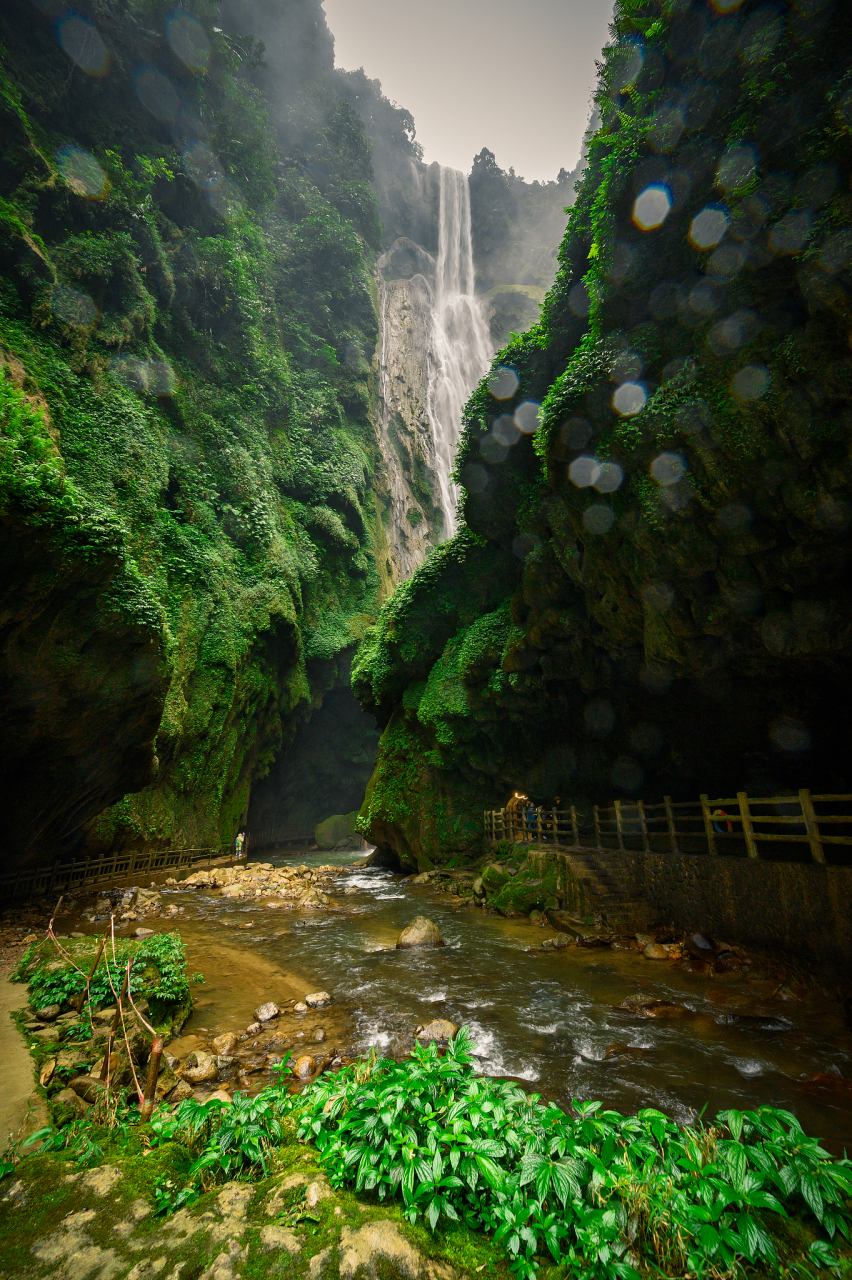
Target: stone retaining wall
column 804, row 909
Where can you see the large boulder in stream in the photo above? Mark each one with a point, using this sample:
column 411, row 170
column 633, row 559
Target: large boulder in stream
column 335, row 830
column 439, row 1029
column 419, row 932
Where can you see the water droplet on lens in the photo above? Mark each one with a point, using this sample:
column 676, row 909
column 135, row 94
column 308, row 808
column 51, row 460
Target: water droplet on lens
column 584, row 471
column 750, row 383
column 668, row 468
column 651, row 207
column 598, row 518
column 503, row 382
column 629, row 399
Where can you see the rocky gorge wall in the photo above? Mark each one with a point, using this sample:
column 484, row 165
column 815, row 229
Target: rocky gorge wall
column 651, row 593
column 191, row 478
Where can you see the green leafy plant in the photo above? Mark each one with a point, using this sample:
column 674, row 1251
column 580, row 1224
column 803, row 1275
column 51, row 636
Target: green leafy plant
column 606, row 1194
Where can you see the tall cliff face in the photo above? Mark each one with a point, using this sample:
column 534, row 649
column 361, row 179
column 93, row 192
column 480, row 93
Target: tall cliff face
column 189, row 525
column 414, row 518
column 669, row 552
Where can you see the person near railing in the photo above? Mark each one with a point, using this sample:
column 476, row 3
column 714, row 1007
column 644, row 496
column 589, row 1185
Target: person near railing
column 239, row 844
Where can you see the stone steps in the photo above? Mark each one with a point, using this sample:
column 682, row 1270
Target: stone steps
column 609, row 884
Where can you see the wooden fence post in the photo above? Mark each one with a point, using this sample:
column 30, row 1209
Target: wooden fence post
column 618, row 825
column 667, row 800
column 598, row 844
column 646, row 843
column 811, row 825
column 748, row 829
column 575, row 826
column 538, row 823
column 708, row 824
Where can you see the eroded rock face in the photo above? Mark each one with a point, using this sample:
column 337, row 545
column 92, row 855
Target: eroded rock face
column 405, row 308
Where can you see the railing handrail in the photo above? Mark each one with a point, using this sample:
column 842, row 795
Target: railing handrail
column 633, row 817
column 79, row 872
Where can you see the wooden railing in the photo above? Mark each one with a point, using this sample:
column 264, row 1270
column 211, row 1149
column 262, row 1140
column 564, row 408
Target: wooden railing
column 734, row 826
column 85, row 873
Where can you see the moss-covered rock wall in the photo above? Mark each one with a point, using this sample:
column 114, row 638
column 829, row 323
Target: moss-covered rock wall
column 658, row 484
column 190, row 478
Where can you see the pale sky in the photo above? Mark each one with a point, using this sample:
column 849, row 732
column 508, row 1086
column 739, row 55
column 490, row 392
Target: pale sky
column 513, row 77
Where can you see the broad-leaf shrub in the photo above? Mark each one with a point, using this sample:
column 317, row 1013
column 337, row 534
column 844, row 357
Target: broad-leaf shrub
column 604, row 1193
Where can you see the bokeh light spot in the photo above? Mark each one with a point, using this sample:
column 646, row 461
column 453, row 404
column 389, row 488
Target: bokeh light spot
column 726, row 261
column 503, row 382
column 83, row 44
column 792, row 232
column 599, row 718
column 609, row 477
column 627, row 366
column 584, row 471
column 760, row 35
column 73, row 307
column 598, row 518
column 666, row 128
column 816, row 187
column 651, row 207
column 156, row 93
column 629, row 399
column 668, row 468
column 82, row 173
column 505, row 430
column 474, row 478
column 492, row 450
column 188, row 39
column 750, row 382
column 624, row 63
column 576, row 433
column 729, row 335
column 692, row 416
column 789, row 735
column 836, row 254
column 528, row 417
column 736, row 168
column 627, row 774
column 620, row 261
column 734, row 518
column 579, row 301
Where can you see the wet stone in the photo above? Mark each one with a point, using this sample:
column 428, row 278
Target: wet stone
column 266, row 1012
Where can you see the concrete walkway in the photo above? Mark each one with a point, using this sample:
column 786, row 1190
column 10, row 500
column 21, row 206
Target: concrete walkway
column 18, row 1081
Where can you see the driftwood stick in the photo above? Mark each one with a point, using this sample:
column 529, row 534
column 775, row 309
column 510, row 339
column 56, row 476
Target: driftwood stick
column 151, row 1083
column 79, row 1000
column 114, row 1028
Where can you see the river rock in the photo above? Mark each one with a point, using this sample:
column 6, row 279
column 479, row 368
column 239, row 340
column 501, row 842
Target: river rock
column 143, row 933
column 49, row 1013
column 225, row 1043
column 181, row 1092
column 221, row 1095
column 478, row 887
column 419, row 932
column 619, row 1050
column 314, row 898
column 304, row 1067
column 200, row 1067
column 266, row 1012
column 300, row 1007
column 317, row 1035
column 438, row 1029
column 253, row 1028
column 653, row 951
column 318, row 1000
column 493, row 877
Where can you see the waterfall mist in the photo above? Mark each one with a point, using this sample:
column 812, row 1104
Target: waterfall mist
column 461, row 345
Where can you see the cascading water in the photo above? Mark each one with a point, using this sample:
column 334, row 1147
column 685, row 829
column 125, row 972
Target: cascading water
column 461, row 346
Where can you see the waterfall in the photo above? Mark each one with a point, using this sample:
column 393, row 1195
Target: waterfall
column 461, row 346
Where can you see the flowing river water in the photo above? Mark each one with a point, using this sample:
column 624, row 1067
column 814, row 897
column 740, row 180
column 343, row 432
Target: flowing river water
column 546, row 1018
